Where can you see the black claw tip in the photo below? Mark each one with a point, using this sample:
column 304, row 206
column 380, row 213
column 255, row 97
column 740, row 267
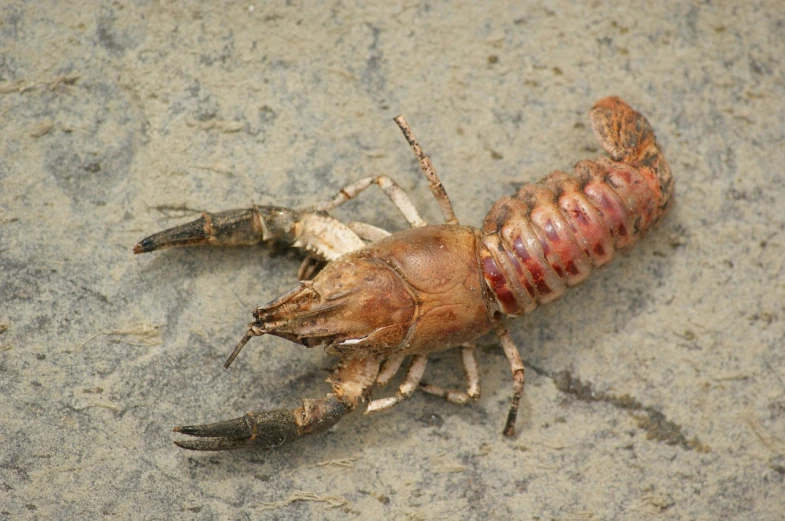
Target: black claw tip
column 212, row 444
column 237, row 428
column 509, row 427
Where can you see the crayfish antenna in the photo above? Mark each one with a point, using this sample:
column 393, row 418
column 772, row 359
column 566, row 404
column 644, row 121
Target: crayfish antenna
column 253, row 331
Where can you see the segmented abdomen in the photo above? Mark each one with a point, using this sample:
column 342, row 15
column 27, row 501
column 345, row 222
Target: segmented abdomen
column 550, row 235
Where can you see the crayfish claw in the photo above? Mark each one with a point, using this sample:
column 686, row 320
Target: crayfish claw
column 236, row 428
column 260, row 429
column 352, row 382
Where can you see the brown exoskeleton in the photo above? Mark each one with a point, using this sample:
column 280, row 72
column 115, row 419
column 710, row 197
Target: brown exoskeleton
column 432, row 287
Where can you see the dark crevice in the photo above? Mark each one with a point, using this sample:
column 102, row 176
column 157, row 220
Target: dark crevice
column 656, row 425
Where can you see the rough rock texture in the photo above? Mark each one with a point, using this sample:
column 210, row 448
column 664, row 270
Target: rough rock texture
column 654, row 391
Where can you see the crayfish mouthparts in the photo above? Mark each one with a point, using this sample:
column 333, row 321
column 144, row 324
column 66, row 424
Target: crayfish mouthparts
column 355, row 305
column 274, row 314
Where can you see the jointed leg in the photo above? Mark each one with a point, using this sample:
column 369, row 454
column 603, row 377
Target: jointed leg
column 472, row 380
column 407, row 388
column 308, row 267
column 351, row 383
column 434, row 183
column 516, row 366
column 367, row 231
column 312, row 263
column 472, row 373
column 389, row 369
column 391, row 189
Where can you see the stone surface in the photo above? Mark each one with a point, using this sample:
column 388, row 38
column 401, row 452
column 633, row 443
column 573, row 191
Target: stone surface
column 656, row 390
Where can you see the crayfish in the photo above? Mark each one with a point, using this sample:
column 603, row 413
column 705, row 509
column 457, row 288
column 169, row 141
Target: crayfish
column 382, row 298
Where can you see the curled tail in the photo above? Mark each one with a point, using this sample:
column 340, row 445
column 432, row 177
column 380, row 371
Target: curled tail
column 552, row 234
column 627, row 137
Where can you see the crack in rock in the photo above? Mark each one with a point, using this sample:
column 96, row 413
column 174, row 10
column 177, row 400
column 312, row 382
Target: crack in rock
column 656, row 425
